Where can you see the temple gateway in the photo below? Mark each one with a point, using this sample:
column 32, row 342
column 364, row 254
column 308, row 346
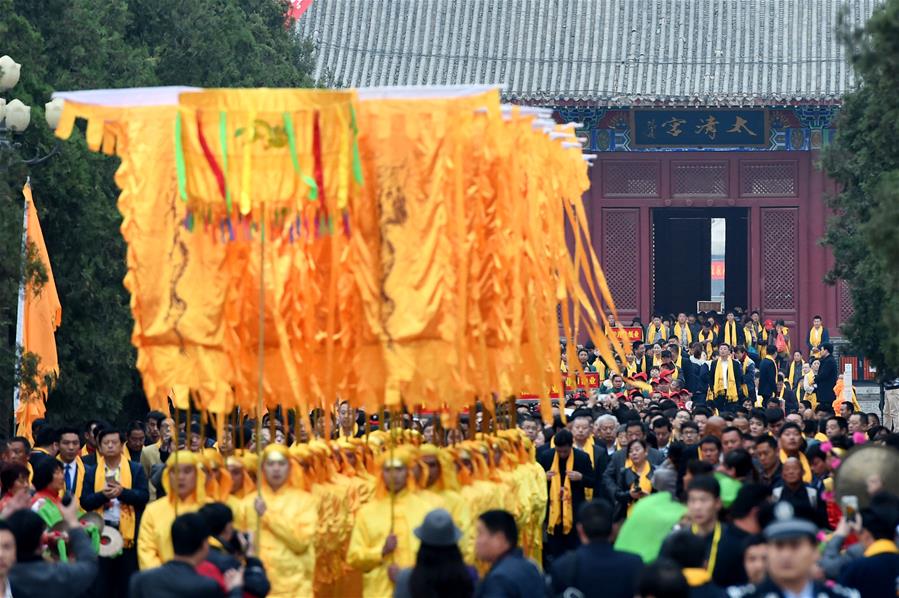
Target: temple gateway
column 708, row 118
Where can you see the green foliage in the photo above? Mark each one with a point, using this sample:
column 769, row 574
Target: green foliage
column 864, row 160
column 85, row 44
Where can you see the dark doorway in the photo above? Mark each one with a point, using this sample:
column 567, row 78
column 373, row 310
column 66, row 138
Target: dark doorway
column 683, row 257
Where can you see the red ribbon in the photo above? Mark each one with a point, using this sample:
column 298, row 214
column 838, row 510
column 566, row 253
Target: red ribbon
column 210, row 158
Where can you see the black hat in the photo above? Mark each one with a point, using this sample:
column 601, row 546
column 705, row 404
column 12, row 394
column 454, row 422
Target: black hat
column 438, row 529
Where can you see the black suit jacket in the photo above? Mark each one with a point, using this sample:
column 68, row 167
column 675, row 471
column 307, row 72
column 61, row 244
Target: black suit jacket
column 137, row 496
column 791, row 403
column 826, row 379
column 601, row 460
column 767, row 378
column 176, row 579
column 596, row 569
column 581, row 464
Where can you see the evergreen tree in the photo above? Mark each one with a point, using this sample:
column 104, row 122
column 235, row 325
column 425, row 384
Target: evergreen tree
column 864, row 160
column 90, row 44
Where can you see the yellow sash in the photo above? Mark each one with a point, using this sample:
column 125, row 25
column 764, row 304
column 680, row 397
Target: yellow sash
column 642, row 479
column 881, row 547
column 731, row 391
column 696, row 577
column 806, row 470
column 706, row 339
column 792, row 376
column 730, row 333
column 713, row 553
column 588, row 448
column 79, row 476
column 127, row 518
column 652, row 335
column 814, row 337
column 687, row 333
column 745, row 386
column 558, row 512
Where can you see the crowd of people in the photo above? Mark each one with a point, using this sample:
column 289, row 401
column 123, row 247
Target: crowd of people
column 698, row 468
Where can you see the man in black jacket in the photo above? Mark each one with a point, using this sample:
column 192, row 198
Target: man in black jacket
column 572, row 479
column 826, row 378
column 32, row 576
column 178, row 577
column 767, row 376
column 595, row 564
column 510, row 575
column 121, row 499
column 226, row 551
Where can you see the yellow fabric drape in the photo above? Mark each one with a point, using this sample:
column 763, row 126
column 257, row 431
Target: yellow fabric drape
column 560, row 508
column 452, row 249
column 127, row 516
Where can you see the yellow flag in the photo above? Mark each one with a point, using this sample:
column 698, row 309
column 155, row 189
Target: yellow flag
column 39, row 315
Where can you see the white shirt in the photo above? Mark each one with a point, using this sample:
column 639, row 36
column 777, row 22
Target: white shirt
column 8, row 592
column 723, row 365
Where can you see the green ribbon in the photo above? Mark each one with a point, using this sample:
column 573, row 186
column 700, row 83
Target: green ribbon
column 63, row 553
column 223, row 142
column 357, row 161
column 179, row 160
column 292, row 142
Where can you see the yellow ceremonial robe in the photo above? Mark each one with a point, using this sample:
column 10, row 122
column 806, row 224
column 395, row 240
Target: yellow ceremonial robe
column 287, row 535
column 154, row 539
column 370, row 531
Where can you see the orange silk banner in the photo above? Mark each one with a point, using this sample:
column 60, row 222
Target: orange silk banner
column 414, row 247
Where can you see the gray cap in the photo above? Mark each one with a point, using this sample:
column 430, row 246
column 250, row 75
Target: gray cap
column 438, row 529
column 786, row 525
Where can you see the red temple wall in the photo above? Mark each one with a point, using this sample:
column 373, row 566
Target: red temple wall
column 784, row 192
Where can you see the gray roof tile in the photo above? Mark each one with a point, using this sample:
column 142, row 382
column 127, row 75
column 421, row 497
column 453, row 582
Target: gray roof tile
column 615, row 52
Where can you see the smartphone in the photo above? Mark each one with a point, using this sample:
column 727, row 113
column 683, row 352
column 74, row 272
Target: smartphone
column 849, row 505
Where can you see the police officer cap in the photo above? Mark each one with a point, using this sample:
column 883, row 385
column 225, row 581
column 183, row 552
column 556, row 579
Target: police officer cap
column 786, row 525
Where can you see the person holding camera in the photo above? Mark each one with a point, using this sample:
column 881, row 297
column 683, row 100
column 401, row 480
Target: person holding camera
column 230, row 549
column 34, row 576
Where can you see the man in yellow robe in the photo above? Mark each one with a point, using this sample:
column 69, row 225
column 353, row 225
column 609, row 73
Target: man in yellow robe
column 440, row 487
column 242, row 484
column 284, row 516
column 184, row 485
column 383, row 537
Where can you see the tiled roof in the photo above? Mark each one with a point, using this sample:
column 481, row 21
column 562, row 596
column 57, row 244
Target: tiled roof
column 616, row 52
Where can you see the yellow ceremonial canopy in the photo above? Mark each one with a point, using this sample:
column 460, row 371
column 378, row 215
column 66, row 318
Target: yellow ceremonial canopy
column 381, row 246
